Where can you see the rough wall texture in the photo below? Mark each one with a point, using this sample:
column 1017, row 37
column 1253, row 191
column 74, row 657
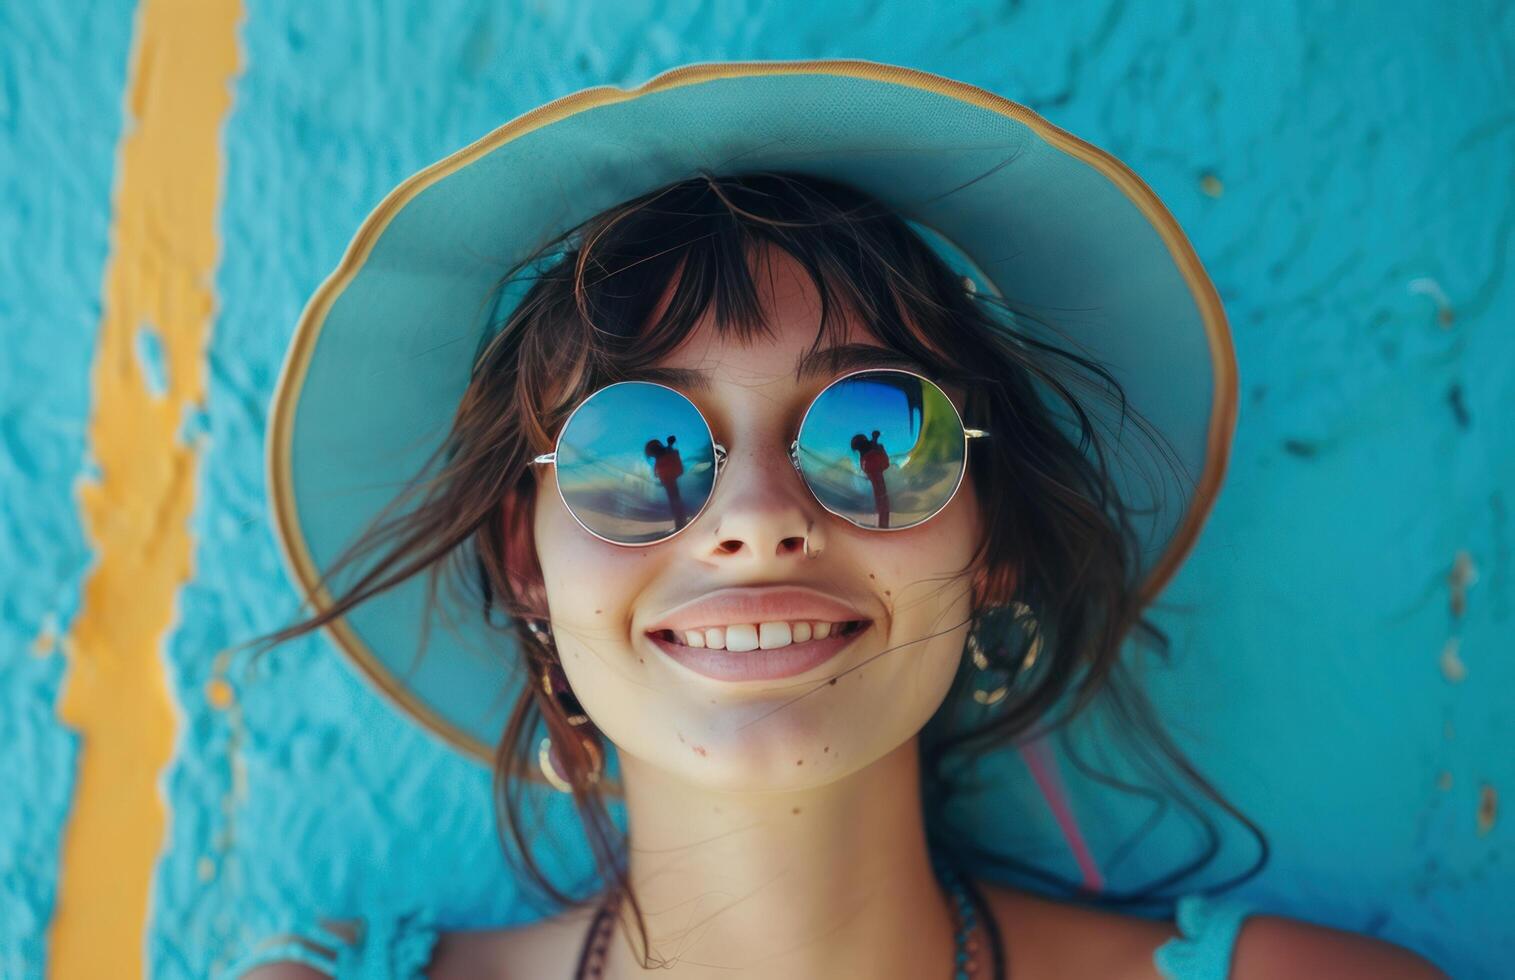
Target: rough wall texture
column 1343, row 629
column 61, row 83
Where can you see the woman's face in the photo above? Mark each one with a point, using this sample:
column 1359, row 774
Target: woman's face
column 913, row 585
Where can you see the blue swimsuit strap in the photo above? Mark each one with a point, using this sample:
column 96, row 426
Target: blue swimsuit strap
column 387, row 947
column 301, row 943
column 1208, row 927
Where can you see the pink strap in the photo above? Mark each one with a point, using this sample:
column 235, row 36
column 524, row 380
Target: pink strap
column 1043, row 765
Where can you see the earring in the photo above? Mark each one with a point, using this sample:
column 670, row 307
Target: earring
column 1021, row 615
column 553, row 769
column 555, row 683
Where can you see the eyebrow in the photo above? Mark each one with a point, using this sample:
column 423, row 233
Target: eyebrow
column 830, row 360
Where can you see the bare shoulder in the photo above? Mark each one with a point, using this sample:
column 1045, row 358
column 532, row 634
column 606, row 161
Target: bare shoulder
column 546, row 948
column 1053, row 938
column 1049, row 937
column 1275, row 946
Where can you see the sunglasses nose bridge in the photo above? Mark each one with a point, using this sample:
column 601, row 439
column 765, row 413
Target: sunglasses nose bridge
column 763, row 458
column 793, row 453
column 741, row 507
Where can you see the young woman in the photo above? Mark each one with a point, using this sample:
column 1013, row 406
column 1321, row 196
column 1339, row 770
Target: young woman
column 791, row 636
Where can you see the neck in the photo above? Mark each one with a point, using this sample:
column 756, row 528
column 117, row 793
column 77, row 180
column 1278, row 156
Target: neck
column 827, row 882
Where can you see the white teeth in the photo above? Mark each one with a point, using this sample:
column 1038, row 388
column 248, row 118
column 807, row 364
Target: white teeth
column 774, row 635
column 741, row 637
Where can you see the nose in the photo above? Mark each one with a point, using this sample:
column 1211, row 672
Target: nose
column 761, row 511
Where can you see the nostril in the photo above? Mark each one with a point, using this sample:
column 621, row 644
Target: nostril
column 729, row 546
column 793, row 544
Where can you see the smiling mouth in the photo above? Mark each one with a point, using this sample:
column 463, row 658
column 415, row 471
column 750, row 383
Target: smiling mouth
column 744, row 637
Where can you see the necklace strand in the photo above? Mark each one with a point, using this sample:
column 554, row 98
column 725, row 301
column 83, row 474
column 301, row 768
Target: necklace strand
column 967, row 906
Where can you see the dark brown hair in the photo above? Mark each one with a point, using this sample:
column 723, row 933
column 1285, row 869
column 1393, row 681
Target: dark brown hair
column 1058, row 537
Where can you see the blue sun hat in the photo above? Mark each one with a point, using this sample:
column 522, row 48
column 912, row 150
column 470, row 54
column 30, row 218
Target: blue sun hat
column 385, row 347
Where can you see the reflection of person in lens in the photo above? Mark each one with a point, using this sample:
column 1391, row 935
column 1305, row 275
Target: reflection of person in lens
column 667, row 466
column 874, row 461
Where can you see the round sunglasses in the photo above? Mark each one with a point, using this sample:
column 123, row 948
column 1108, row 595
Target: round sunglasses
column 883, row 448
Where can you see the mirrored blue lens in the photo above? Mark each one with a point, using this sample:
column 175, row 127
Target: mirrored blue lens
column 635, row 462
column 883, row 449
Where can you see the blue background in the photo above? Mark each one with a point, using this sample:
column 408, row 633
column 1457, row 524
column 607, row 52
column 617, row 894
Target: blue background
column 1344, row 171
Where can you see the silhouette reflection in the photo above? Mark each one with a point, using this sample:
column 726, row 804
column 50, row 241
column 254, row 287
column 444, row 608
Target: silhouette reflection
column 624, row 485
column 841, row 450
column 668, row 467
column 873, row 460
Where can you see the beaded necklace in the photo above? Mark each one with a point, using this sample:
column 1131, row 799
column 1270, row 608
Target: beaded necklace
column 967, row 908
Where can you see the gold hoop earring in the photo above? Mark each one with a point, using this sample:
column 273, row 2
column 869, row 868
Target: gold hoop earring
column 1021, row 614
column 553, row 770
column 555, row 684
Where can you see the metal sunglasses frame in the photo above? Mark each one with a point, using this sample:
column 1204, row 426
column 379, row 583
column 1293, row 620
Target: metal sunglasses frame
column 794, row 455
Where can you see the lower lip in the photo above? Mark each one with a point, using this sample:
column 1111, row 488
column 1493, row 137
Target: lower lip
column 759, row 665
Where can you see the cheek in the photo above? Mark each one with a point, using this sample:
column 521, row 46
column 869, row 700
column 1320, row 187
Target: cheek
column 933, row 556
column 925, row 580
column 592, row 590
column 590, row 583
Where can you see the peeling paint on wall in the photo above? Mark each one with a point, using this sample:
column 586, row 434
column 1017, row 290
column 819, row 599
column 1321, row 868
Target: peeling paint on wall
column 149, row 364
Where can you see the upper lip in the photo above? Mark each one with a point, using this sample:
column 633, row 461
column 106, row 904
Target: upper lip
column 764, row 604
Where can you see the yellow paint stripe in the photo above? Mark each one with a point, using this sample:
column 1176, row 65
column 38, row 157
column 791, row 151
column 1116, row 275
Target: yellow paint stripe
column 159, row 276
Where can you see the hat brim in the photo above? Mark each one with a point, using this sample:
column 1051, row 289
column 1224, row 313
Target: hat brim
column 384, row 349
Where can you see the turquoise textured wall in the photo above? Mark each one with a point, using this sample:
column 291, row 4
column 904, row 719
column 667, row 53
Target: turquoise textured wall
column 1345, row 629
column 60, row 117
